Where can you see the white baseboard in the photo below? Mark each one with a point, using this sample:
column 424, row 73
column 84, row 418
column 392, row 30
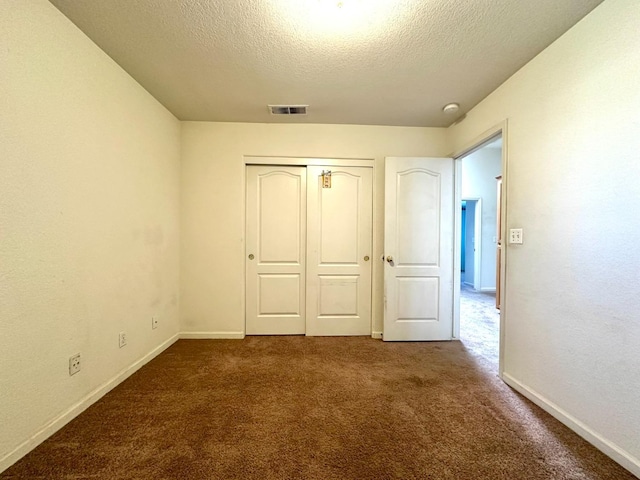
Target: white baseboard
column 488, row 289
column 72, row 412
column 610, row 449
column 376, row 334
column 211, row 335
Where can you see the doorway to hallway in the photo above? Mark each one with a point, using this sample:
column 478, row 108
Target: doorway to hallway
column 479, row 317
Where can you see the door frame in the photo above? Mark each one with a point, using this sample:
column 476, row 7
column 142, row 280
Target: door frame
column 477, row 143
column 477, row 234
column 306, row 162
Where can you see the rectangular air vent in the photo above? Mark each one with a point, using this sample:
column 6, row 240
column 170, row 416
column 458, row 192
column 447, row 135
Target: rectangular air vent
column 288, row 109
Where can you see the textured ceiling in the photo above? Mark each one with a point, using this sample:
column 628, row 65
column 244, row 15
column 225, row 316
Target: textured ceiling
column 375, row 62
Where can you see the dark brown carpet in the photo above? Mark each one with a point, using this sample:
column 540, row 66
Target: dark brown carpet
column 315, row 408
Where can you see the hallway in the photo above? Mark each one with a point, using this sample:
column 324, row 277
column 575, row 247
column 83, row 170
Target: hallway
column 480, row 324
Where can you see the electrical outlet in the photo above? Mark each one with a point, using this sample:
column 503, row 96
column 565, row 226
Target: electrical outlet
column 123, row 339
column 154, row 323
column 74, row 364
column 515, row 236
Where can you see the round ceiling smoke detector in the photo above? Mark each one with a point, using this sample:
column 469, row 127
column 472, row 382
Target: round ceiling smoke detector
column 451, row 108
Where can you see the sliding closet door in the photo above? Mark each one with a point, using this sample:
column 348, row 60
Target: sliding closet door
column 339, row 231
column 275, row 250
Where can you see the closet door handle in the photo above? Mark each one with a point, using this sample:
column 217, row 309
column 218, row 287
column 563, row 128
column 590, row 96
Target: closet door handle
column 390, row 259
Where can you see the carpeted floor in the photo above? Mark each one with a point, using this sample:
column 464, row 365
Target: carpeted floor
column 315, row 408
column 480, row 325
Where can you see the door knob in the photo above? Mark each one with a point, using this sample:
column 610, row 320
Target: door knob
column 366, row 258
column 251, row 257
column 389, row 259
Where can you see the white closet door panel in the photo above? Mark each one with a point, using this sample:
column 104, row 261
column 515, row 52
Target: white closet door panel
column 339, row 231
column 275, row 250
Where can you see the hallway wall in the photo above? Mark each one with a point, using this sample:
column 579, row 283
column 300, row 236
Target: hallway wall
column 479, row 172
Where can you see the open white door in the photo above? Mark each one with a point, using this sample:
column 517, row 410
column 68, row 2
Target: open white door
column 418, row 242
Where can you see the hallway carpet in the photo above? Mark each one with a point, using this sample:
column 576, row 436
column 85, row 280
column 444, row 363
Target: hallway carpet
column 480, row 325
column 315, row 408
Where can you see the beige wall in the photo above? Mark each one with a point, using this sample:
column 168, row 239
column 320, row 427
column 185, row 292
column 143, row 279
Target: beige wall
column 213, row 203
column 88, row 222
column 572, row 306
column 89, row 217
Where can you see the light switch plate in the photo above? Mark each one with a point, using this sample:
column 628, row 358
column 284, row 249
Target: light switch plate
column 515, row 236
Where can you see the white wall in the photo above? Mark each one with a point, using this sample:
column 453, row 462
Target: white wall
column 479, row 172
column 213, row 203
column 572, row 306
column 88, row 222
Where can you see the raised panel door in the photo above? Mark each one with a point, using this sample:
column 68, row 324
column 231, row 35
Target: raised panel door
column 275, row 250
column 339, row 227
column 418, row 272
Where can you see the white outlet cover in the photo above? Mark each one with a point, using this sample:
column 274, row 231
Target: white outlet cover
column 74, row 364
column 515, row 236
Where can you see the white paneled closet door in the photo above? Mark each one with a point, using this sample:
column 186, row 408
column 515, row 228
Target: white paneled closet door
column 275, row 250
column 308, row 265
column 339, row 227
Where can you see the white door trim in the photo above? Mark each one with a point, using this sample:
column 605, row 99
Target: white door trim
column 304, row 161
column 499, row 129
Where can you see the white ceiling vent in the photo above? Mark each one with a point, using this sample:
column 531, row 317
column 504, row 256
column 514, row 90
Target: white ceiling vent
column 288, row 109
